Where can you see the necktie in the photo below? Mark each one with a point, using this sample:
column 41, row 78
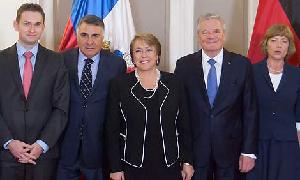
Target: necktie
column 212, row 85
column 86, row 81
column 27, row 75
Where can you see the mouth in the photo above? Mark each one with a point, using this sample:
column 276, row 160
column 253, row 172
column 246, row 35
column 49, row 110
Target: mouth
column 144, row 61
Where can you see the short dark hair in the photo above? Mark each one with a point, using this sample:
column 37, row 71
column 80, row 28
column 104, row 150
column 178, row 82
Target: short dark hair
column 150, row 40
column 30, row 7
column 92, row 20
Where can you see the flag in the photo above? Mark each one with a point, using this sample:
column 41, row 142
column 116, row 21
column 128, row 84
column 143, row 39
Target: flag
column 119, row 27
column 270, row 12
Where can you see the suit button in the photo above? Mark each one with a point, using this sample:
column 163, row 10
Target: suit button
column 212, row 116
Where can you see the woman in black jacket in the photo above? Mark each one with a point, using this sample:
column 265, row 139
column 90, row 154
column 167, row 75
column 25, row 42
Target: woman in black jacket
column 147, row 130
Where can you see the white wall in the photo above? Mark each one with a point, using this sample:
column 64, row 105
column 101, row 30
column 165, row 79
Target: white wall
column 7, row 33
column 148, row 17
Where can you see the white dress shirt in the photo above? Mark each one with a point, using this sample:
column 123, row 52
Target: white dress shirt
column 218, row 65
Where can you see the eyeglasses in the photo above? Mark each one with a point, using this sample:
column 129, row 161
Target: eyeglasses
column 140, row 51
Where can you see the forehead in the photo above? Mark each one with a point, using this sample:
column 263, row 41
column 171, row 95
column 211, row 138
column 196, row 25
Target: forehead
column 89, row 29
column 279, row 37
column 31, row 16
column 141, row 43
column 210, row 24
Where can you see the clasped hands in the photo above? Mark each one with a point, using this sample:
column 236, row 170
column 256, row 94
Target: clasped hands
column 25, row 153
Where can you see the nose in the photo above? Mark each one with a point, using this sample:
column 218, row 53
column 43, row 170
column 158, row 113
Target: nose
column 31, row 28
column 89, row 40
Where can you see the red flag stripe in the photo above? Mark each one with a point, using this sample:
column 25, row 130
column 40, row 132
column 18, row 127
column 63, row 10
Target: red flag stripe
column 69, row 37
column 269, row 12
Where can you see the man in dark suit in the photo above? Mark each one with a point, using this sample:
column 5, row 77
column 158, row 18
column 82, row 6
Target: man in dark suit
column 220, row 92
column 90, row 70
column 34, row 95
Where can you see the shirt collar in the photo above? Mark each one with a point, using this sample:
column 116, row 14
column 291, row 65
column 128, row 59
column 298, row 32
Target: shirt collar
column 82, row 57
column 218, row 58
column 21, row 49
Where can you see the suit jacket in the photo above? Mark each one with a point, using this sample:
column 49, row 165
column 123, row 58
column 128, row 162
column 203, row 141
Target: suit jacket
column 127, row 122
column 44, row 114
column 230, row 127
column 93, row 115
column 278, row 111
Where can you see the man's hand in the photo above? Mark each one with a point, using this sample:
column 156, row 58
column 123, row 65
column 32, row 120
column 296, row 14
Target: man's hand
column 27, row 158
column 117, row 176
column 18, row 148
column 187, row 172
column 246, row 164
column 36, row 151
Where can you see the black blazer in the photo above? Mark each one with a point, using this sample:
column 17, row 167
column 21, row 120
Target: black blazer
column 44, row 114
column 93, row 115
column 278, row 111
column 230, row 127
column 127, row 118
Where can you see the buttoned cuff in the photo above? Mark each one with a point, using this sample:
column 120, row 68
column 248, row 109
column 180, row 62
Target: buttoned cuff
column 44, row 146
column 6, row 144
column 250, row 155
column 298, row 126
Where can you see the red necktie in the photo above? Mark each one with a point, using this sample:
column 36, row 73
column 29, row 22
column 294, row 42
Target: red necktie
column 27, row 76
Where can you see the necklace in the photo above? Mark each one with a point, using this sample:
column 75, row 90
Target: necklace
column 149, row 90
column 274, row 71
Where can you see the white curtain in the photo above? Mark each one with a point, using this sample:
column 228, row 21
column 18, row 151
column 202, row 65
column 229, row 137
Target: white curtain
column 252, row 7
column 181, row 37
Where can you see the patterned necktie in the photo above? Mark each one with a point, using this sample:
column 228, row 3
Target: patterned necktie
column 27, row 75
column 86, row 81
column 212, row 85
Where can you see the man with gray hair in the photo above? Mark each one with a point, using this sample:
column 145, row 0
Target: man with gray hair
column 222, row 104
column 90, row 70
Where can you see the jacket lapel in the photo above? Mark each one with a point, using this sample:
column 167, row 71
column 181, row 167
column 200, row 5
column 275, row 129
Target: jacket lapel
column 163, row 90
column 199, row 75
column 265, row 73
column 284, row 79
column 225, row 79
column 13, row 62
column 73, row 70
column 102, row 74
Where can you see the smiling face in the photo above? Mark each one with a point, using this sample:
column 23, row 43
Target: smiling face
column 277, row 47
column 211, row 36
column 30, row 27
column 89, row 39
column 144, row 56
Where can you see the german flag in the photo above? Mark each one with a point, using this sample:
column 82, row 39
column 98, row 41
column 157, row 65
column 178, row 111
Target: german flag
column 270, row 12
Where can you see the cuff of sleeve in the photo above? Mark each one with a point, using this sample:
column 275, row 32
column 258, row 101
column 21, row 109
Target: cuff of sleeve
column 44, row 146
column 298, row 126
column 250, row 155
column 6, row 144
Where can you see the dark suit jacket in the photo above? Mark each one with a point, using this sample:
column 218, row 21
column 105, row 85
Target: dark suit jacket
column 93, row 115
column 127, row 119
column 44, row 114
column 230, row 127
column 278, row 111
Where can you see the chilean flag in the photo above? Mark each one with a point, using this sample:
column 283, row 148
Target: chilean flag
column 116, row 15
column 268, row 13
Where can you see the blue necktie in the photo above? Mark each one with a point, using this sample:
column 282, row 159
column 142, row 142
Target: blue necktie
column 85, row 84
column 212, row 85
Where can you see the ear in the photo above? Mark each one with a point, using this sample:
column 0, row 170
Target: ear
column 16, row 25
